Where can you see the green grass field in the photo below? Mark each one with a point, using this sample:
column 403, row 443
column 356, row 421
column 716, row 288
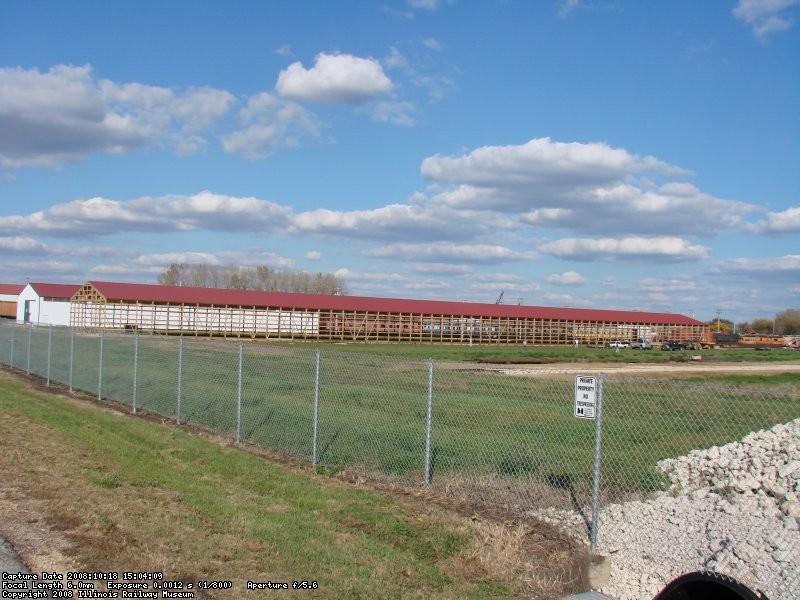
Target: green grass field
column 492, row 437
column 132, row 495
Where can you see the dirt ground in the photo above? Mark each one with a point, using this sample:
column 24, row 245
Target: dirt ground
column 659, row 370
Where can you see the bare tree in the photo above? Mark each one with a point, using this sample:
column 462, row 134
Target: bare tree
column 174, row 275
column 251, row 278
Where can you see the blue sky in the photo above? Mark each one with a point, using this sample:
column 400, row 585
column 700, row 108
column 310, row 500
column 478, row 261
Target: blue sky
column 586, row 153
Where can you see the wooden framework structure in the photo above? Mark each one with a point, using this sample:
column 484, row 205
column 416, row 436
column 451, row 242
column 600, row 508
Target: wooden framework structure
column 236, row 313
column 9, row 292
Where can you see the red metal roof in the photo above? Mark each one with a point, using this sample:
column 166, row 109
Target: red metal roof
column 136, row 292
column 11, row 289
column 55, row 290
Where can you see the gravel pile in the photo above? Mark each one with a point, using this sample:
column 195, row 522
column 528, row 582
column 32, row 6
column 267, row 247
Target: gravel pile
column 763, row 464
column 732, row 509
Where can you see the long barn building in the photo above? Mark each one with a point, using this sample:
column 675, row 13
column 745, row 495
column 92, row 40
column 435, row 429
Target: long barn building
column 256, row 314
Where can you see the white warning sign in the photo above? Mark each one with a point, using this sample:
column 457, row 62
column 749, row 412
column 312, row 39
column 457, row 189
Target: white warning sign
column 585, row 396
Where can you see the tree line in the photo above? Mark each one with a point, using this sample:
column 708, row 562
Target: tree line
column 260, row 278
column 786, row 322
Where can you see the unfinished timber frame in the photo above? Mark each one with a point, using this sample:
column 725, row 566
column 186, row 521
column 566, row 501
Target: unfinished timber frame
column 90, row 308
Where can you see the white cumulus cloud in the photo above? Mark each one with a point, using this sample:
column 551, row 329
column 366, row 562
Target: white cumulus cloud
column 449, row 251
column 268, row 124
column 788, row 264
column 589, row 188
column 633, row 248
column 103, row 216
column 786, row 221
column 334, row 79
column 400, row 221
column 545, row 163
column 60, row 116
column 22, row 244
column 567, row 278
column 348, row 274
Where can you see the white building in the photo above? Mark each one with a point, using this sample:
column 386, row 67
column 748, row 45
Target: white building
column 45, row 303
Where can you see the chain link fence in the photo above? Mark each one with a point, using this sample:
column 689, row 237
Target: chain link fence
column 508, row 442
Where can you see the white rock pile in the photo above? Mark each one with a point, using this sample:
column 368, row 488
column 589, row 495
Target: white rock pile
column 731, row 509
column 763, row 464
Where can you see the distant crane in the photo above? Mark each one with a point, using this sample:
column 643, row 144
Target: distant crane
column 500, row 298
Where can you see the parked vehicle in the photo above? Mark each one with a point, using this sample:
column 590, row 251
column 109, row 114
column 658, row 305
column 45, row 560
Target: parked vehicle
column 617, row 345
column 674, row 346
column 641, row 345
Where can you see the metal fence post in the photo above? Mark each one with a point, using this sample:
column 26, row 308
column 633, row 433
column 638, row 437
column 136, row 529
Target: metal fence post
column 13, row 329
column 239, row 396
column 49, row 351
column 428, row 420
column 71, row 355
column 180, row 373
column 598, row 434
column 316, row 413
column 30, row 334
column 100, row 369
column 135, row 368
